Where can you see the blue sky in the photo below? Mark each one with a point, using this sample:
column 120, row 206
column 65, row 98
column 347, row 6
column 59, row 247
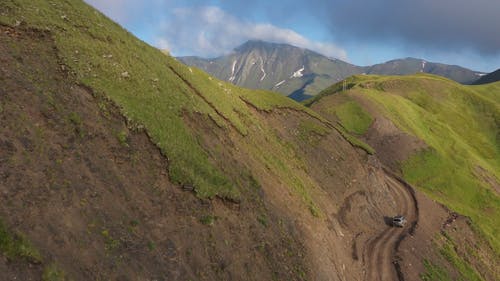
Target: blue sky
column 362, row 32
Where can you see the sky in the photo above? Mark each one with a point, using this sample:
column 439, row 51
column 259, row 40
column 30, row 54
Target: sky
column 362, row 32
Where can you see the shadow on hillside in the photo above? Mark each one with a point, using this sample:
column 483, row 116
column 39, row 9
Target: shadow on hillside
column 388, row 220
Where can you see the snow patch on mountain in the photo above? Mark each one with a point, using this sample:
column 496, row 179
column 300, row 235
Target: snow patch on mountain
column 262, row 69
column 231, row 79
column 279, row 83
column 298, row 73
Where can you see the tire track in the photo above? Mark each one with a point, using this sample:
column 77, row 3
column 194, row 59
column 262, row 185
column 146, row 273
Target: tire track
column 380, row 252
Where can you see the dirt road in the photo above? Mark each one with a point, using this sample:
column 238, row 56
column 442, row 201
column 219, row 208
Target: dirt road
column 379, row 254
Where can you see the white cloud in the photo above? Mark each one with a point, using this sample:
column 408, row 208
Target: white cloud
column 209, row 31
column 163, row 44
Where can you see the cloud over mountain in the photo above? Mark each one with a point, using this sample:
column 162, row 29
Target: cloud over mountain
column 460, row 32
column 210, row 31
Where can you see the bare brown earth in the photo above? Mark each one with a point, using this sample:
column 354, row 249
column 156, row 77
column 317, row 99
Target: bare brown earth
column 424, row 240
column 393, row 145
column 92, row 192
column 352, row 241
column 100, row 206
column 380, row 251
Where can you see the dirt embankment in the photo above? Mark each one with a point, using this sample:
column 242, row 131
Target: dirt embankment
column 350, row 240
column 426, row 241
column 93, row 195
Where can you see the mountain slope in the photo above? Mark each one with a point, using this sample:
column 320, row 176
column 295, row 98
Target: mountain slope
column 488, row 78
column 279, row 67
column 301, row 73
column 119, row 163
column 440, row 135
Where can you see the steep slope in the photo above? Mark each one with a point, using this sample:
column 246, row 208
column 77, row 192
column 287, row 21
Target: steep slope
column 301, row 73
column 120, row 163
column 92, row 194
column 441, row 137
column 488, row 78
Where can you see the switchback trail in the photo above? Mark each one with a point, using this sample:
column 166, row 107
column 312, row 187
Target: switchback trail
column 380, row 252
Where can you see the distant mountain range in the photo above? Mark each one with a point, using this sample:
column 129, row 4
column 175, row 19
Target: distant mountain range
column 301, row 73
column 488, row 78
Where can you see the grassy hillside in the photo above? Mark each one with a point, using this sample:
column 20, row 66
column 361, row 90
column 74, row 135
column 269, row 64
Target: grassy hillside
column 461, row 126
column 105, row 139
column 115, row 64
column 86, row 106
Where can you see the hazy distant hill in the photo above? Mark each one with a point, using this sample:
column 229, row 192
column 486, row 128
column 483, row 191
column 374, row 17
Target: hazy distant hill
column 301, row 73
column 488, row 78
column 413, row 65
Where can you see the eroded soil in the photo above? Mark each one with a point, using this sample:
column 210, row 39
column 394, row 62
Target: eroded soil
column 92, row 192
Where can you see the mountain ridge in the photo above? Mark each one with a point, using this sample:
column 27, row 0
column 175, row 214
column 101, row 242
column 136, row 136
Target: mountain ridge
column 488, row 78
column 302, row 73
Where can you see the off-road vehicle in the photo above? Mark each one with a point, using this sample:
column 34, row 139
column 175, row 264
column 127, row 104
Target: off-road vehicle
column 399, row 221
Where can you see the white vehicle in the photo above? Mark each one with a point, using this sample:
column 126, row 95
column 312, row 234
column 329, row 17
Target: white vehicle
column 399, row 221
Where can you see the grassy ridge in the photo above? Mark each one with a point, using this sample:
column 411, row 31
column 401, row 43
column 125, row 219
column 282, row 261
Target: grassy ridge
column 152, row 89
column 106, row 57
column 461, row 125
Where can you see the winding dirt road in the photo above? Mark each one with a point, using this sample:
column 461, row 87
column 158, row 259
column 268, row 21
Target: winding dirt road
column 379, row 254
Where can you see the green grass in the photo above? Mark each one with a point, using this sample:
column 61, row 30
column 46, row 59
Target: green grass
column 262, row 219
column 14, row 246
column 110, row 243
column 466, row 271
column 355, row 141
column 122, row 137
column 53, row 273
column 353, row 117
column 282, row 160
column 208, row 220
column 311, row 132
column 460, row 124
column 434, row 272
column 158, row 91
